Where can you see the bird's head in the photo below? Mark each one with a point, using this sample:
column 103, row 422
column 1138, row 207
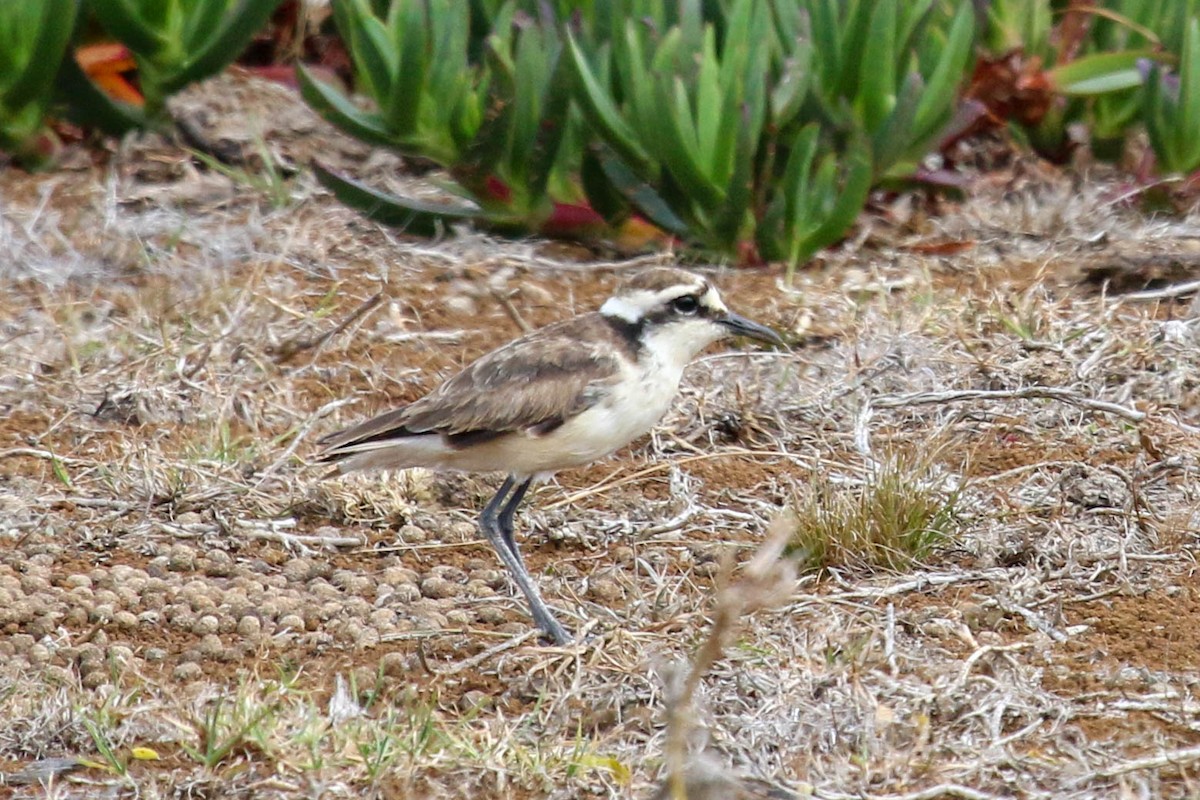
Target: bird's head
column 677, row 314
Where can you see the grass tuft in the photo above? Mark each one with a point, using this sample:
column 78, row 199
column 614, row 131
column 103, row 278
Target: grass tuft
column 897, row 516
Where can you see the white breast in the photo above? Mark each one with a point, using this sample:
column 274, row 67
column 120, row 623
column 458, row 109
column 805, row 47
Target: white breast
column 637, row 401
column 632, row 407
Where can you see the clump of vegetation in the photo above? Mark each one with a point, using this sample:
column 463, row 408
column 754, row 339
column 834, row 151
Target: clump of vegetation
column 899, row 514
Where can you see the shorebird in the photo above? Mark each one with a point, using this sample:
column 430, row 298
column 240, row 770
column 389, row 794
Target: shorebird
column 559, row 397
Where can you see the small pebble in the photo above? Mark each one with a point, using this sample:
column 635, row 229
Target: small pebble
column 462, row 305
column 94, row 680
column 604, row 590
column 382, row 617
column 120, row 654
column 396, row 576
column 476, row 588
column 107, row 597
column 188, row 671
column 460, row 617
column 411, row 534
column 210, row 645
column 217, row 564
column 462, row 531
column 492, row 577
column 77, row 581
column 293, row 622
column 181, row 558
column 31, row 584
column 394, row 665
column 249, row 627
column 298, row 570
column 38, row 654
column 438, row 588
column 405, row 593
column 491, row 615
column 449, row 572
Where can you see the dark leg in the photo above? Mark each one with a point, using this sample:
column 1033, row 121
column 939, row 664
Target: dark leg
column 506, row 517
column 498, row 530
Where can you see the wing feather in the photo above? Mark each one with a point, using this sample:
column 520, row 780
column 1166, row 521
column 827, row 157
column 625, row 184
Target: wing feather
column 532, row 384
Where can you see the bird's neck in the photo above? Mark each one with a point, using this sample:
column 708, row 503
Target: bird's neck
column 628, row 333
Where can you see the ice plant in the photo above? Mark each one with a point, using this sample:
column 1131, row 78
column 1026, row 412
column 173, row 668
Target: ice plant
column 33, row 39
column 499, row 125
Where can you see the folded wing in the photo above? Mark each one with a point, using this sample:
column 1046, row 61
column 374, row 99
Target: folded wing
column 531, row 385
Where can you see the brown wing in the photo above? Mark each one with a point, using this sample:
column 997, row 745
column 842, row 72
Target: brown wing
column 533, row 383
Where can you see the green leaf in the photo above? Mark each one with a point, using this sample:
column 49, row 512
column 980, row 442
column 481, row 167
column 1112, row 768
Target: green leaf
column 199, row 25
column 338, row 110
column 557, row 137
column 896, row 137
column 792, row 87
column 414, row 216
column 1188, row 125
column 876, row 96
column 827, row 41
column 642, row 196
column 376, row 61
column 1100, row 73
column 241, row 22
column 602, row 196
column 941, row 91
column 531, row 82
column 403, row 106
column 714, row 134
column 1171, row 119
column 855, row 188
column 731, row 219
column 122, row 19
column 678, row 152
column 54, row 30
column 601, row 112
column 856, row 34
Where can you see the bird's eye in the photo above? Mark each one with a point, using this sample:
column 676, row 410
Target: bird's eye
column 687, row 304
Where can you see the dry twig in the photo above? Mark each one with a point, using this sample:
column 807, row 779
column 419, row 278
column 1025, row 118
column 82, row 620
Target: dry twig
column 764, row 582
column 1028, row 393
column 287, row 350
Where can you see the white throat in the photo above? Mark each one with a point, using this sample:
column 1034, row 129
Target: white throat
column 675, row 344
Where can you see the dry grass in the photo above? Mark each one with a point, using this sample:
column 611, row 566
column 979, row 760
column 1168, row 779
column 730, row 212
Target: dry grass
column 176, row 582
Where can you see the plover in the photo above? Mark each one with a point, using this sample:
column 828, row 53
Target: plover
column 559, row 397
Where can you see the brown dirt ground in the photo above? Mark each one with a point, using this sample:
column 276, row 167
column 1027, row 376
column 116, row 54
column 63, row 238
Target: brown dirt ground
column 150, row 387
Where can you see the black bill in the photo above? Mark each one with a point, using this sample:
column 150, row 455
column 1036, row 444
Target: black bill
column 740, row 326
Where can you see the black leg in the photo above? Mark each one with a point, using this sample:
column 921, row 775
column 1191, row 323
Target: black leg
column 487, row 518
column 498, row 530
column 506, row 517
